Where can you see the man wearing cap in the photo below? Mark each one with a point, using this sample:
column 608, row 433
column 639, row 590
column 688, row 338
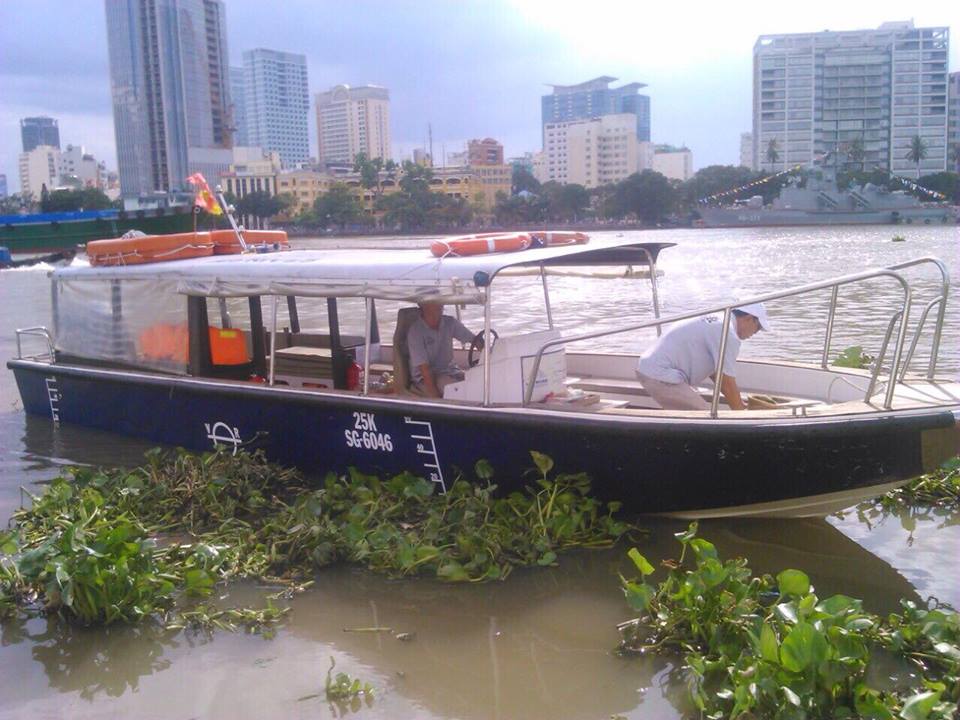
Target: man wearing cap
column 686, row 354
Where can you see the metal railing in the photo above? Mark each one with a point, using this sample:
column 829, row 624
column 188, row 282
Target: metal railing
column 37, row 331
column 833, row 283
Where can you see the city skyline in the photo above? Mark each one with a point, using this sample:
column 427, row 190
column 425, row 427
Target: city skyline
column 468, row 69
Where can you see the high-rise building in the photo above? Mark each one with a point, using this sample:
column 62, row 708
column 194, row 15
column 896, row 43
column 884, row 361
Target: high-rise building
column 277, row 103
column 353, row 120
column 35, row 131
column 746, row 150
column 3, row 185
column 953, row 123
column 238, row 100
column 818, row 95
column 171, row 96
column 484, row 152
column 595, row 98
column 592, row 152
column 39, row 169
column 79, row 168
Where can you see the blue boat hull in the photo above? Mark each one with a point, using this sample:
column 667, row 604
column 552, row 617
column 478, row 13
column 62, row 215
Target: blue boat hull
column 652, row 465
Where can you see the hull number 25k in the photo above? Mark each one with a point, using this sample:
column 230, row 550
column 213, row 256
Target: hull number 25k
column 364, row 434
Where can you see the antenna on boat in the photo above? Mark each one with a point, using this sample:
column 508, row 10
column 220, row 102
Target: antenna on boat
column 228, row 211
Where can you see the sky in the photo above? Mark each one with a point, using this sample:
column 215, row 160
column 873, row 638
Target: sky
column 468, row 68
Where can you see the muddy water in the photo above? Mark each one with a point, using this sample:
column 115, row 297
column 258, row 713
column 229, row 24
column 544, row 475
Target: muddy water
column 537, row 645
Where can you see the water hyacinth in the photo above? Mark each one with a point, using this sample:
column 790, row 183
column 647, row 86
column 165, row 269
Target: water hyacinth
column 101, row 546
column 770, row 647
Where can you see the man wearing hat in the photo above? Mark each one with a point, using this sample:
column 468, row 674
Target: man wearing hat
column 686, row 354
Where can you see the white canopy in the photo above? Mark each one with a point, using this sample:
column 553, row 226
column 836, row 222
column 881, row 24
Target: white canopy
column 401, row 274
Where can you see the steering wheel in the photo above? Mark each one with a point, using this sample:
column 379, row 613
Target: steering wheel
column 477, row 344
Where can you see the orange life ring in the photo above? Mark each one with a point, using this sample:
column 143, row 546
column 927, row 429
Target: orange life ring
column 559, row 237
column 225, row 241
column 481, row 244
column 149, row 248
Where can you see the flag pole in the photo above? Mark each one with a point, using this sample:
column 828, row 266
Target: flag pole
column 233, row 222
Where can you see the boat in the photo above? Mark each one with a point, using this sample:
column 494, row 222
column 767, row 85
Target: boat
column 7, row 261
column 65, row 230
column 818, row 201
column 252, row 350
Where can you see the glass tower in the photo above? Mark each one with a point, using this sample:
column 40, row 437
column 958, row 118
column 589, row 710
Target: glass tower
column 277, row 103
column 595, row 98
column 36, row 131
column 169, row 81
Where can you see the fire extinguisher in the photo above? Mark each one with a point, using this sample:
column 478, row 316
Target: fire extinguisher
column 354, row 376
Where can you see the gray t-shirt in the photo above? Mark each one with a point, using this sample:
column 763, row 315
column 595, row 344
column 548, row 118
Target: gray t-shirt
column 435, row 347
column 687, row 352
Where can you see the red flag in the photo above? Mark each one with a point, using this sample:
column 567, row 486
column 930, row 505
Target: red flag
column 204, row 198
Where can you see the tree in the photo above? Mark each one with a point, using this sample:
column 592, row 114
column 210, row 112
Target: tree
column 773, row 151
column 338, row 206
column 856, row 152
column 369, row 172
column 955, row 155
column 72, row 200
column 648, row 195
column 259, row 204
column 917, row 152
column 16, row 203
column 523, row 180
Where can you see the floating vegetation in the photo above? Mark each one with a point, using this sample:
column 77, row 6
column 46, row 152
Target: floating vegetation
column 898, row 238
column 853, row 357
column 343, row 688
column 765, row 647
column 940, row 489
column 102, row 546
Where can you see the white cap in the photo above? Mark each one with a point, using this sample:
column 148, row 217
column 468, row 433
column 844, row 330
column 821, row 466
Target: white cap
column 759, row 312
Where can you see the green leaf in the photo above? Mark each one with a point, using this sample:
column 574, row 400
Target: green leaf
column 918, row 707
column 453, row 572
column 802, row 647
column 703, row 548
column 543, row 462
column 793, row 582
column 950, row 651
column 198, row 581
column 548, row 558
column 640, row 561
column 688, row 534
column 769, row 647
column 639, row 595
column 790, row 696
column 483, row 469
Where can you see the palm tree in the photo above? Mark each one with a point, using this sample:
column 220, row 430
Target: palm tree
column 773, row 151
column 955, row 155
column 917, row 152
column 856, row 152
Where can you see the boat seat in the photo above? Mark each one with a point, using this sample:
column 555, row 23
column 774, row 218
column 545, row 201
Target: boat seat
column 402, row 382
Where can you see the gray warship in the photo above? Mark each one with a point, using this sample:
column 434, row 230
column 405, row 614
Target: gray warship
column 819, row 201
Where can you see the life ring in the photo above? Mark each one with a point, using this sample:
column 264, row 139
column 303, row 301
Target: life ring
column 149, row 248
column 549, row 238
column 225, row 241
column 481, row 244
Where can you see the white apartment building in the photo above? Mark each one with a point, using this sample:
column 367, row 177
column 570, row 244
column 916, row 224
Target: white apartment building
column 277, row 104
column 816, row 93
column 592, row 152
column 746, row 150
column 352, row 121
column 39, row 167
column 76, row 165
column 674, row 163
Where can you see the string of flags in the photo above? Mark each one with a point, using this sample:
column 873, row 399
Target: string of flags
column 917, row 187
column 754, row 183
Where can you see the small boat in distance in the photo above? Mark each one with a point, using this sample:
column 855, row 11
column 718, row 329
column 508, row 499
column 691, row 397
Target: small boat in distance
column 282, row 351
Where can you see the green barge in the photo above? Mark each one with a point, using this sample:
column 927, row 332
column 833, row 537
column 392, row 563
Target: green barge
column 65, row 230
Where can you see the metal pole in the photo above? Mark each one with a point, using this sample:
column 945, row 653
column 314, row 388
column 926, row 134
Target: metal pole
column 715, row 402
column 652, row 263
column 366, row 345
column 937, row 332
column 486, row 348
column 546, row 295
column 898, row 351
column 233, row 222
column 273, row 338
column 831, row 314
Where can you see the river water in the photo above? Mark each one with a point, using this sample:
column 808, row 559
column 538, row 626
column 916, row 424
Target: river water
column 538, row 645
